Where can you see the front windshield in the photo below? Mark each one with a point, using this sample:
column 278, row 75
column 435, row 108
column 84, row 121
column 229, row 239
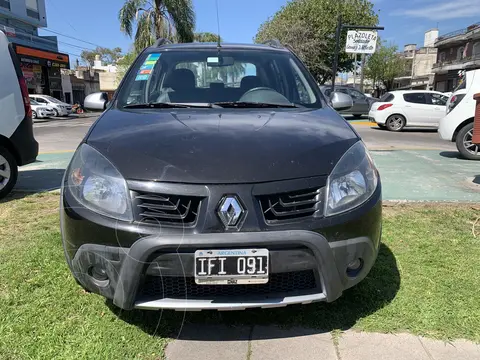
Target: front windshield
column 52, row 99
column 210, row 76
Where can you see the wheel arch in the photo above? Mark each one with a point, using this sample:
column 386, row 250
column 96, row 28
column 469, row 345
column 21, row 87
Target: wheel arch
column 6, row 143
column 397, row 113
column 459, row 127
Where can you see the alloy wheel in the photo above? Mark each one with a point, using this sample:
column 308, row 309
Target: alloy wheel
column 468, row 143
column 5, row 172
column 396, row 123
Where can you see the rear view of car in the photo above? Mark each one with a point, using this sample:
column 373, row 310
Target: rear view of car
column 17, row 143
column 457, row 125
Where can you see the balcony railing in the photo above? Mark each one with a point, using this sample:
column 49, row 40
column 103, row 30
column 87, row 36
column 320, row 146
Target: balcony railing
column 458, row 32
column 457, row 61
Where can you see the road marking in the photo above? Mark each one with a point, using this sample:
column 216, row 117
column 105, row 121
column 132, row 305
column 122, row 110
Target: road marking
column 362, row 123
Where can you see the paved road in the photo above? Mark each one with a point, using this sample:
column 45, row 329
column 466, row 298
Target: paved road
column 414, row 165
column 62, row 135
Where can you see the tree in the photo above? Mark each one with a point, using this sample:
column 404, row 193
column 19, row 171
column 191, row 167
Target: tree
column 206, row 37
column 171, row 19
column 108, row 56
column 124, row 63
column 385, row 65
column 308, row 26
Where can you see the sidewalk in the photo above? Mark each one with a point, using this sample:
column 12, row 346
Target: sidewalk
column 274, row 343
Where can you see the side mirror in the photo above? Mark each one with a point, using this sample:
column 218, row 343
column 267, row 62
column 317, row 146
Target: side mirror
column 341, row 101
column 96, row 101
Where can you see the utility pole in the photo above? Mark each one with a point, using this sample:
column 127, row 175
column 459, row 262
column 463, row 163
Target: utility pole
column 362, row 76
column 355, row 71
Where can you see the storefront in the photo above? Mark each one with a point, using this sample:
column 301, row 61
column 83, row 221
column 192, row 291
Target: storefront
column 41, row 70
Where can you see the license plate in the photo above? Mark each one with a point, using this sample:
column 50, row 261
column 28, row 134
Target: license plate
column 231, row 267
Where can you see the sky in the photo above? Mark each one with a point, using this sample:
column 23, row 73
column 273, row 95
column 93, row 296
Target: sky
column 95, row 22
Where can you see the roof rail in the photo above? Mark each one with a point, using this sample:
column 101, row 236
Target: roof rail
column 273, row 43
column 161, row 41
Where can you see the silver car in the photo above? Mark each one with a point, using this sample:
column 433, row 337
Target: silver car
column 59, row 108
column 40, row 111
column 361, row 102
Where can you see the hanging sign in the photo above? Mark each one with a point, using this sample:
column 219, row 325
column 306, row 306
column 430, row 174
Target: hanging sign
column 361, row 42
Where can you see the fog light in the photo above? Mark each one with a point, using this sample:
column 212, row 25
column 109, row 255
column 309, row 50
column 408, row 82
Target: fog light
column 98, row 273
column 354, row 267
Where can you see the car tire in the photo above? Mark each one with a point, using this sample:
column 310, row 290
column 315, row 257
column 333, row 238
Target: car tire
column 9, row 169
column 396, row 122
column 55, row 112
column 34, row 114
column 464, row 143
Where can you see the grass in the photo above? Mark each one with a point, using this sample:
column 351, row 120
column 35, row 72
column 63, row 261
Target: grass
column 425, row 281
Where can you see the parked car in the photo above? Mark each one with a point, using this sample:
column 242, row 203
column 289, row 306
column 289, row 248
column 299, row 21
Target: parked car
column 17, row 143
column 59, row 108
column 417, row 108
column 40, row 111
column 189, row 194
column 457, row 124
column 361, row 102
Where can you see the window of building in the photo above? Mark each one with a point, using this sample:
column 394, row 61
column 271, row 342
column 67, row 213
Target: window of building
column 5, row 4
column 460, row 53
column 476, row 49
column 442, row 56
column 32, row 8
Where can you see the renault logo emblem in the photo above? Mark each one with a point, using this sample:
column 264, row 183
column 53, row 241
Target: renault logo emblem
column 230, row 211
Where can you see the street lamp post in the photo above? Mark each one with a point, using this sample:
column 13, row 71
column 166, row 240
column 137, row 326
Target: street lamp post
column 340, row 27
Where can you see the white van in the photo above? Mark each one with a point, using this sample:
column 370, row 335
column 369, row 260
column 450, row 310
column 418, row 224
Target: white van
column 457, row 125
column 17, row 143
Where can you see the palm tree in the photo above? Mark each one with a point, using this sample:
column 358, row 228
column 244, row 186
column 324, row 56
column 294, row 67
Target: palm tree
column 171, row 19
column 206, row 37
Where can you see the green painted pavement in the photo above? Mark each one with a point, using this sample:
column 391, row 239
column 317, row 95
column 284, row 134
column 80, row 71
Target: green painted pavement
column 413, row 175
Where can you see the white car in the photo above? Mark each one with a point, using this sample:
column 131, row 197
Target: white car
column 457, row 125
column 17, row 143
column 40, row 111
column 59, row 108
column 417, row 108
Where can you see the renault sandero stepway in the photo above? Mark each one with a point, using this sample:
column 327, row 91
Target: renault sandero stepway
column 17, row 143
column 219, row 177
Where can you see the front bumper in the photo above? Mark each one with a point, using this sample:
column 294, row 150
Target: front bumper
column 133, row 255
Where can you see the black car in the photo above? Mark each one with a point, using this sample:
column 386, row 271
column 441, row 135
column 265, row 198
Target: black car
column 220, row 178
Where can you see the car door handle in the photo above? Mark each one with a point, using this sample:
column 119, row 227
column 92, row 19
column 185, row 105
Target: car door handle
column 408, row 105
column 437, row 108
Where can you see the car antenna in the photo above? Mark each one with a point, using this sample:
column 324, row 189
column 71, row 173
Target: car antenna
column 218, row 25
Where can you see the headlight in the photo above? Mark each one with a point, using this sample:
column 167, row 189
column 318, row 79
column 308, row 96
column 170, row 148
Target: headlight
column 352, row 181
column 97, row 185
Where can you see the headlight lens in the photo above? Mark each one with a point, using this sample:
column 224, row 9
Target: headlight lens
column 352, row 181
column 97, row 185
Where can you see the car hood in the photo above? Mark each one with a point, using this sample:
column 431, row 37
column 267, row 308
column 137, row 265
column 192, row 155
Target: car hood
column 222, row 146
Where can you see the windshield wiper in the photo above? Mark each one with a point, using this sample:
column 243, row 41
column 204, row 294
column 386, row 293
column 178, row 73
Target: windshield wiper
column 248, row 104
column 166, row 105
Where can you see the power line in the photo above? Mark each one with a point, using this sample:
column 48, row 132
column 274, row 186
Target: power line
column 71, row 37
column 75, row 46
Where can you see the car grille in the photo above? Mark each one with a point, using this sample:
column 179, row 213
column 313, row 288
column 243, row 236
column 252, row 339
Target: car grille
column 291, row 205
column 162, row 209
column 185, row 287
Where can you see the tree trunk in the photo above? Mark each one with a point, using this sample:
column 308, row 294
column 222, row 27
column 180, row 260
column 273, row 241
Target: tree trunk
column 159, row 28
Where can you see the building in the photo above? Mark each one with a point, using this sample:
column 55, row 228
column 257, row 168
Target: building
column 457, row 51
column 40, row 60
column 419, row 64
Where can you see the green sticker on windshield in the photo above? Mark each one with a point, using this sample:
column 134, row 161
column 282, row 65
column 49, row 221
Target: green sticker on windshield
column 146, row 69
